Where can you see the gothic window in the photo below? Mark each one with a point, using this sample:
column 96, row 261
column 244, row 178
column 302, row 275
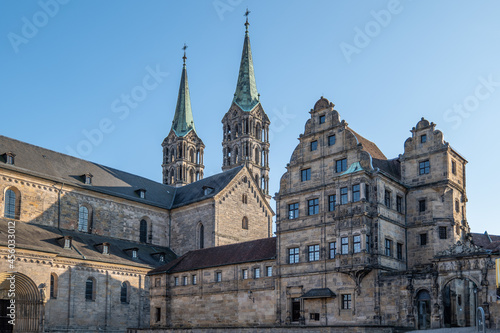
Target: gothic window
column 53, row 285
column 191, row 156
column 236, row 157
column 257, row 155
column 197, row 175
column 90, row 286
column 83, row 219
column 12, row 203
column 263, row 183
column 191, row 176
column 143, row 231
column 201, row 237
column 124, row 292
column 244, row 223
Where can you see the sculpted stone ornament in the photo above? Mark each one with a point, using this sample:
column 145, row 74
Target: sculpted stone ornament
column 460, row 248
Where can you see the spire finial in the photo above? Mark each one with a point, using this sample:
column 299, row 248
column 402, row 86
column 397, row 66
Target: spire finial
column 184, row 57
column 246, row 23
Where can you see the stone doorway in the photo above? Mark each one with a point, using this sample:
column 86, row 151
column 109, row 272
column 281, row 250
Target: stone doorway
column 424, row 309
column 296, row 309
column 28, row 303
column 459, row 300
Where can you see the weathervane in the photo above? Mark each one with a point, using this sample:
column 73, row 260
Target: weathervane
column 184, row 48
column 246, row 23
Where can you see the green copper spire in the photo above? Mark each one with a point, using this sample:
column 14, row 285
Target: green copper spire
column 246, row 95
column 183, row 121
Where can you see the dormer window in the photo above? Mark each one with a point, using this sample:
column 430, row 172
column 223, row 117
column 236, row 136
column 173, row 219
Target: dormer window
column 160, row 256
column 133, row 252
column 87, row 178
column 141, row 193
column 9, row 158
column 207, row 190
column 66, row 242
column 104, row 248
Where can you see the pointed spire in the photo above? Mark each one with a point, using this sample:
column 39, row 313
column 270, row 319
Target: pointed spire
column 246, row 95
column 183, row 121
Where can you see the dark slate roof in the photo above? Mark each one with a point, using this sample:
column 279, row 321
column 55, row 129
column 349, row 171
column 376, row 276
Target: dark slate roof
column 392, row 167
column 488, row 242
column 44, row 163
column 66, row 169
column 195, row 191
column 45, row 239
column 252, row 251
column 319, row 293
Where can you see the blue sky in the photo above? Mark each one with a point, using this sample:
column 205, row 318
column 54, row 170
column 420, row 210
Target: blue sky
column 67, row 65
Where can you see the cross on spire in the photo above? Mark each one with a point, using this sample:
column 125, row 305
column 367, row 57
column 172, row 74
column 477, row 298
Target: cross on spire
column 184, row 57
column 246, row 23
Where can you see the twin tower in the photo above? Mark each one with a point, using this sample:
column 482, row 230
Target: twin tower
column 245, row 132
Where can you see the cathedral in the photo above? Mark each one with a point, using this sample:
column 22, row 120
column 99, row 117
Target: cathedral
column 363, row 242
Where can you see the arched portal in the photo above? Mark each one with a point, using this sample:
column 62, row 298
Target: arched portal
column 424, row 309
column 28, row 303
column 459, row 300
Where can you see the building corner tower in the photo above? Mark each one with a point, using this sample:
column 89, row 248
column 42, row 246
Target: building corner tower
column 246, row 125
column 182, row 148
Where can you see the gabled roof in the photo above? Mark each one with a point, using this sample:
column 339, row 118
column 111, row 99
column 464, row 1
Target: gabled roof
column 183, row 121
column 486, row 241
column 194, row 192
column 45, row 239
column 61, row 168
column 246, row 95
column 246, row 252
column 369, row 146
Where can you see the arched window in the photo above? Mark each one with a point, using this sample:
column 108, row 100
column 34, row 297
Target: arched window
column 197, row 175
column 53, row 285
column 257, row 155
column 10, row 204
column 90, row 286
column 124, row 292
column 83, row 219
column 191, row 176
column 191, row 156
column 201, row 236
column 244, row 223
column 143, row 232
column 236, row 157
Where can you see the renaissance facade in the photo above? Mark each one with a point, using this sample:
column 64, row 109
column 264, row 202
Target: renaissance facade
column 361, row 241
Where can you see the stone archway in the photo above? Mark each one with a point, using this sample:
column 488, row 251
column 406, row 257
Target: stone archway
column 28, row 303
column 424, row 309
column 460, row 301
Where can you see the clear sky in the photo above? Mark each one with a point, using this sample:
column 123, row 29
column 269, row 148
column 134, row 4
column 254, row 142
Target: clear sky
column 67, row 65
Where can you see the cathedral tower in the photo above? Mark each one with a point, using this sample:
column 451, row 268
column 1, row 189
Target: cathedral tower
column 246, row 125
column 182, row 148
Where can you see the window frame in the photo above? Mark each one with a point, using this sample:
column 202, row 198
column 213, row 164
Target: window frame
column 293, row 213
column 344, row 198
column 218, row 277
column 399, row 204
column 330, row 139
column 313, row 206
column 388, row 198
column 423, row 241
column 346, row 301
column 293, row 255
column 422, row 205
column 332, row 247
column 90, row 294
column 269, row 271
column 356, row 244
column 399, row 251
column 423, row 138
column 424, row 167
column 305, row 174
column 344, row 245
column 356, row 192
column 313, row 252
column 84, row 225
column 314, row 145
column 443, row 231
column 388, row 247
column 11, row 204
column 332, row 202
column 124, row 293
column 322, row 119
column 341, row 164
